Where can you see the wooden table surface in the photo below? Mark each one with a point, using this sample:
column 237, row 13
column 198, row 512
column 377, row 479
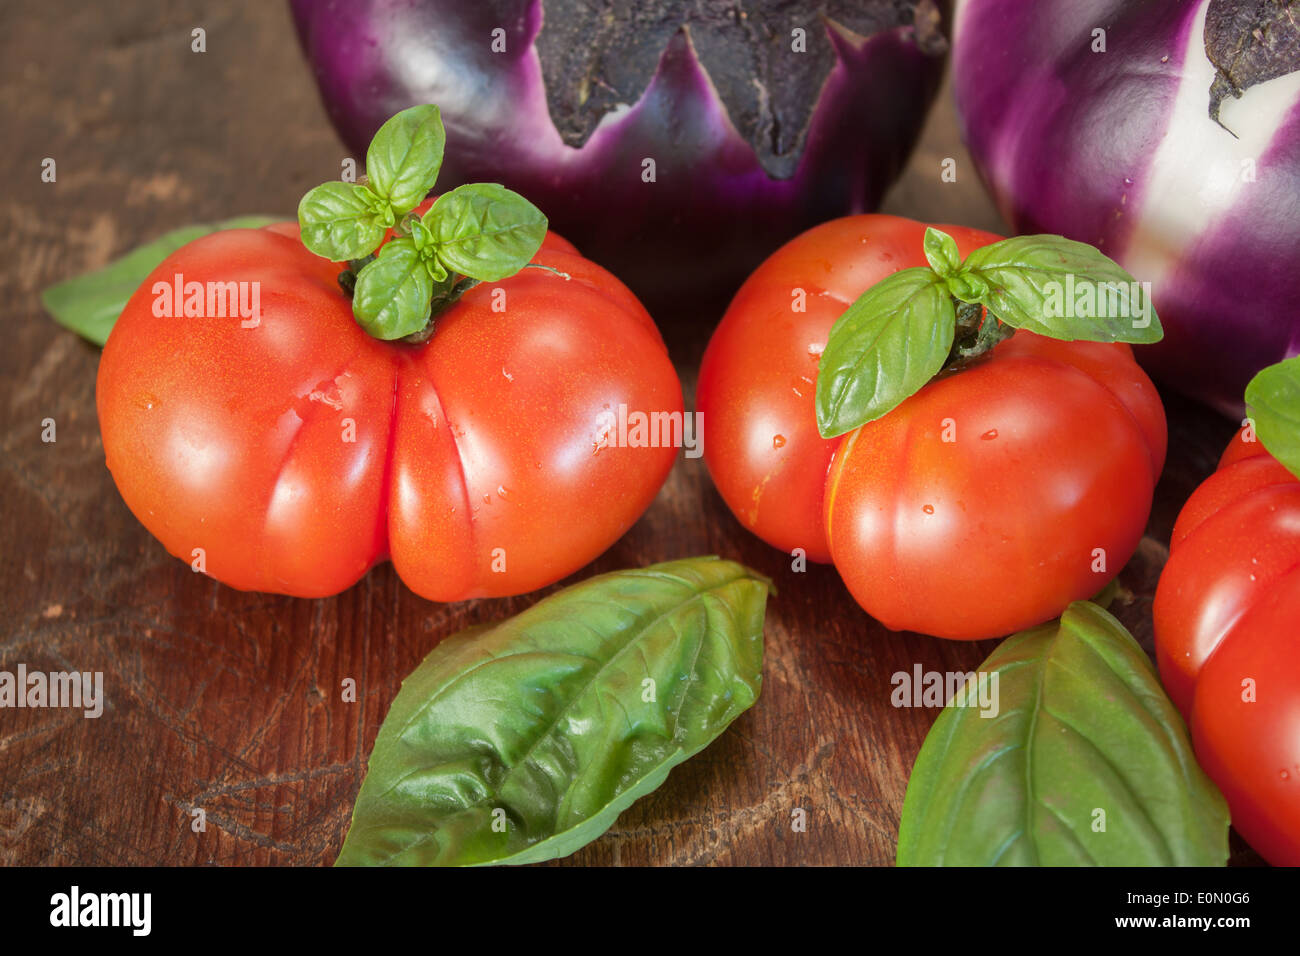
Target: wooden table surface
column 230, row 702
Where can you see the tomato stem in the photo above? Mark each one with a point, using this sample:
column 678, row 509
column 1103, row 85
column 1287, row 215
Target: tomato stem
column 348, row 277
column 978, row 331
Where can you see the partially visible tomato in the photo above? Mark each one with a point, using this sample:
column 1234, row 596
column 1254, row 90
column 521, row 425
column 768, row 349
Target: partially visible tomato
column 1227, row 627
column 983, row 504
column 294, row 455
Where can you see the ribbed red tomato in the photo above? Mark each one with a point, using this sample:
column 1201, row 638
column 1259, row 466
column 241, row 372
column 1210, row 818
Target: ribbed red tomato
column 1227, row 627
column 983, row 504
column 294, row 455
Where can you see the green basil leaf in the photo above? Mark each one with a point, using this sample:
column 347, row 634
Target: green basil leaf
column 1059, row 288
column 485, row 231
column 394, row 293
column 550, row 724
column 404, row 158
column 342, row 221
column 1082, row 759
column 886, row 345
column 1273, row 403
column 941, row 252
column 90, row 304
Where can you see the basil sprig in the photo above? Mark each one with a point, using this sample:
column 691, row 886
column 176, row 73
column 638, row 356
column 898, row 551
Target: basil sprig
column 1273, row 404
column 342, row 221
column 481, row 232
column 524, row 740
column 900, row 333
column 1065, row 751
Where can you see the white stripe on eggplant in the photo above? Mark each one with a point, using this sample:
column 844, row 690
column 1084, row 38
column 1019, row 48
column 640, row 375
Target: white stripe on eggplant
column 1189, row 202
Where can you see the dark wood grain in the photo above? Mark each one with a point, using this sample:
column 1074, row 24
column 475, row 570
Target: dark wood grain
column 230, row 702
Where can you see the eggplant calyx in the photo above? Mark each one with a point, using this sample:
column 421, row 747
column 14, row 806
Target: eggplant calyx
column 1249, row 42
column 767, row 62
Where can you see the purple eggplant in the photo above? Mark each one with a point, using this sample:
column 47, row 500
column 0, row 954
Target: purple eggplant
column 676, row 142
column 1167, row 134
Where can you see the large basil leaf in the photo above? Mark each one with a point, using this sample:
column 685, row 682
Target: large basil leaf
column 485, row 231
column 405, row 155
column 523, row 741
column 90, row 304
column 341, row 221
column 886, row 345
column 1273, row 402
column 1059, row 288
column 393, row 293
column 1085, row 762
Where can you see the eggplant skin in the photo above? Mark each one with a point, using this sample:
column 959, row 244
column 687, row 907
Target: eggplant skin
column 715, row 208
column 1121, row 149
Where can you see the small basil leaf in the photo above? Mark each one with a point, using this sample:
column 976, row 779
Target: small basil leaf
column 941, row 252
column 1273, row 403
column 524, row 741
column 405, row 156
column 886, row 345
column 1081, row 759
column 485, row 231
column 393, row 295
column 437, row 271
column 90, row 304
column 339, row 221
column 1060, row 288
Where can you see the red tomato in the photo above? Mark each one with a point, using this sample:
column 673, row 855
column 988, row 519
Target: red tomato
column 299, row 453
column 1228, row 640
column 983, row 504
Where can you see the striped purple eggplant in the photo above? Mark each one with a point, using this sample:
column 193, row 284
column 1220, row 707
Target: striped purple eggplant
column 1167, row 134
column 677, row 142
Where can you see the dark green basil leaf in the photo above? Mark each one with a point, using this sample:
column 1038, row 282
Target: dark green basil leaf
column 1059, row 288
column 941, row 252
column 1085, row 761
column 342, row 221
column 485, row 231
column 89, row 304
column 394, row 293
column 550, row 724
column 1273, row 403
column 886, row 345
column 405, row 156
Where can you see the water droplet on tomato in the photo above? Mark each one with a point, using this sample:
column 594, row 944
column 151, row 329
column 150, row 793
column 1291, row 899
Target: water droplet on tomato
column 148, row 401
column 928, row 509
column 989, row 435
column 1285, row 774
column 503, row 492
column 778, row 441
